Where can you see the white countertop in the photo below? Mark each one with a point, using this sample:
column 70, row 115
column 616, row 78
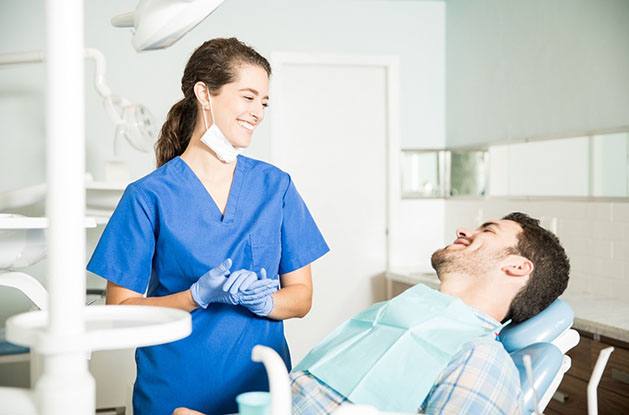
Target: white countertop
column 11, row 221
column 607, row 317
column 412, row 277
column 603, row 316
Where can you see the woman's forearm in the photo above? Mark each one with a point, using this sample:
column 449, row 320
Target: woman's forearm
column 182, row 300
column 290, row 302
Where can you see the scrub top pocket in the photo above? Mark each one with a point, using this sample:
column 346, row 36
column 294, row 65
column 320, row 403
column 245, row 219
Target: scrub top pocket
column 242, row 255
column 266, row 253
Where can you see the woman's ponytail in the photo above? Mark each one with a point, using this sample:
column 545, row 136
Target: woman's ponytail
column 176, row 131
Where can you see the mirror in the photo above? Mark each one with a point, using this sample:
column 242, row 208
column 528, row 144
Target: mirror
column 586, row 166
column 444, row 173
column 468, row 173
column 422, row 173
column 610, row 165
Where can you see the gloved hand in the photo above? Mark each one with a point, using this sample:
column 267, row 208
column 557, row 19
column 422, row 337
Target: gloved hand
column 213, row 286
column 260, row 300
column 216, row 287
column 254, row 292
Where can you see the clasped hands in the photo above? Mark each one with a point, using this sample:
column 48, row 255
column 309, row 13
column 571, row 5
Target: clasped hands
column 242, row 287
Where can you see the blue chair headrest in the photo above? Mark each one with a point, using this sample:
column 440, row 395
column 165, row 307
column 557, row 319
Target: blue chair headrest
column 543, row 327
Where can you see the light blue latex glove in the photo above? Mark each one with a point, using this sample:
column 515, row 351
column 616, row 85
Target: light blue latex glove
column 260, row 303
column 215, row 287
column 257, row 290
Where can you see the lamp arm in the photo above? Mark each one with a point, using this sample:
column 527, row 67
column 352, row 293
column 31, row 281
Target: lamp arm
column 115, row 106
column 100, row 70
column 38, row 56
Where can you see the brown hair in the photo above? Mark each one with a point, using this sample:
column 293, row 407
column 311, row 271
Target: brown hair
column 214, row 63
column 551, row 268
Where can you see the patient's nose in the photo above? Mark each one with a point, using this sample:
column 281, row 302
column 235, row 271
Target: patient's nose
column 462, row 233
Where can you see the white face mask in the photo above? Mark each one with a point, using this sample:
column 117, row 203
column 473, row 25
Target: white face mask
column 216, row 140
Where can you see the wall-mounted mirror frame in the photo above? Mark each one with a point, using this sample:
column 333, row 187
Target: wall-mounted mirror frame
column 423, row 173
column 441, row 173
column 588, row 166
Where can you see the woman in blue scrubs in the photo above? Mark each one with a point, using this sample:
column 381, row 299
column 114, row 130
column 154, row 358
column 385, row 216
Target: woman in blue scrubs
column 211, row 232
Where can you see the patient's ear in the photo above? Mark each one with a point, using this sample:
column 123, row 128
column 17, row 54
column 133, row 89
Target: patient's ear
column 517, row 266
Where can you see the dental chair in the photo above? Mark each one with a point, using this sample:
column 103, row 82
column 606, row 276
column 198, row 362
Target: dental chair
column 545, row 338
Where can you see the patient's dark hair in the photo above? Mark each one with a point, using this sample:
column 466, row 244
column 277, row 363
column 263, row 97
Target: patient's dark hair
column 551, row 268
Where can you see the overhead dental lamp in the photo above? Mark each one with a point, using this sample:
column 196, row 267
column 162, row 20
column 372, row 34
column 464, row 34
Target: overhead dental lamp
column 133, row 123
column 157, row 24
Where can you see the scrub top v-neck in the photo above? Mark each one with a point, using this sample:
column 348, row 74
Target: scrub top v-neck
column 227, row 215
column 166, row 232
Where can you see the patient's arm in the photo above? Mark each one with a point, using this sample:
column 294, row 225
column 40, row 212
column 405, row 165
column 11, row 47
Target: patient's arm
column 481, row 379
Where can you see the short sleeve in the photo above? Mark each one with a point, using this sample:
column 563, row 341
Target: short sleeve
column 302, row 242
column 124, row 253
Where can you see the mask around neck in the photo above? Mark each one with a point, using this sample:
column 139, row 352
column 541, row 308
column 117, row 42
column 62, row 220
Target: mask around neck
column 216, row 140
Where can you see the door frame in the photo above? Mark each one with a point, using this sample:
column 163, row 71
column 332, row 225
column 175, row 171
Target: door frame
column 391, row 65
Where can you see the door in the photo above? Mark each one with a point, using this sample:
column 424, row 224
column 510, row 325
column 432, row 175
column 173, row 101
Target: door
column 330, row 135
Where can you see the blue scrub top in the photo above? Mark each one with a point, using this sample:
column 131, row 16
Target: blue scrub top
column 164, row 234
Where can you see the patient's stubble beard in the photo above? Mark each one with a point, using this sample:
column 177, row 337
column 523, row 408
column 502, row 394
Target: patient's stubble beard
column 461, row 262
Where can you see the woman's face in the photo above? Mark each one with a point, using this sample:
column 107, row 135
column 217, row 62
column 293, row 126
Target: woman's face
column 240, row 105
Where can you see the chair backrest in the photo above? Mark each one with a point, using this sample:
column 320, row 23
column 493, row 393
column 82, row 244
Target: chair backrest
column 545, row 337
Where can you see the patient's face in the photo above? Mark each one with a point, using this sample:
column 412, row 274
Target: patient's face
column 477, row 251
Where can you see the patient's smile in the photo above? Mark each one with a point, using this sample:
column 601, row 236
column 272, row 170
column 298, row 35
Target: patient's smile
column 462, row 241
column 459, row 243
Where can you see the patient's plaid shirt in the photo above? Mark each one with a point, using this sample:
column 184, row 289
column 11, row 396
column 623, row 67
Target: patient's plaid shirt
column 480, row 379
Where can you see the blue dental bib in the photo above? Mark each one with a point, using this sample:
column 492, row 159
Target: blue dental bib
column 389, row 355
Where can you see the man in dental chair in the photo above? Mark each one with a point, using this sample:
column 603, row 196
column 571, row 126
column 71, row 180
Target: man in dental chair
column 437, row 352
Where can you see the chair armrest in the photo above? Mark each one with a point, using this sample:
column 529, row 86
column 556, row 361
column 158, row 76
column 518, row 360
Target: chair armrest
column 546, row 362
column 567, row 340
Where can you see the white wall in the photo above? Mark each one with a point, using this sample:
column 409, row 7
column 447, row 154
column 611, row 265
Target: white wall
column 421, row 224
column 412, row 30
column 518, row 69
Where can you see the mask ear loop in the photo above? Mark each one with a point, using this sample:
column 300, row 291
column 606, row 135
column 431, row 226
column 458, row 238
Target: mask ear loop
column 209, row 100
column 204, row 120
